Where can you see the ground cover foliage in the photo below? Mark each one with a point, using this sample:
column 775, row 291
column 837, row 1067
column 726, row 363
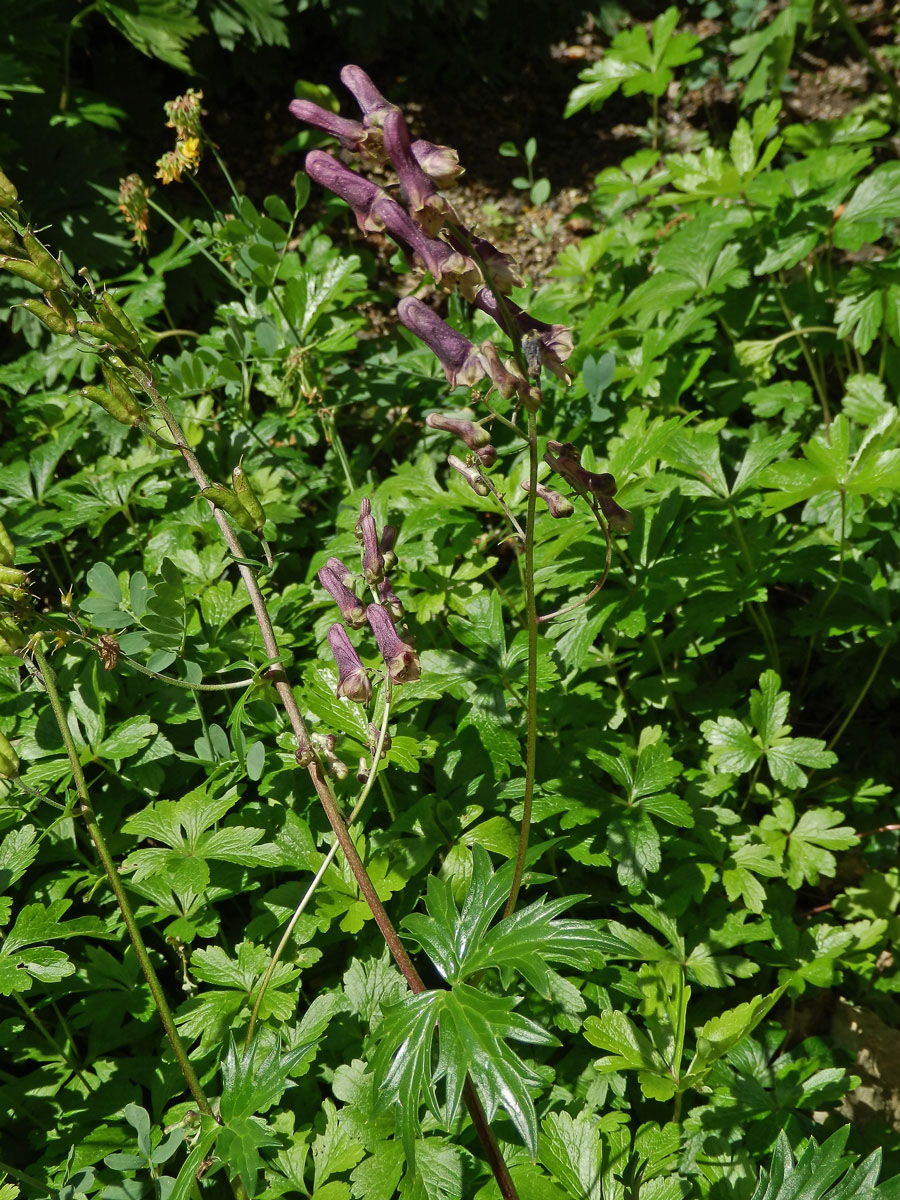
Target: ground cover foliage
column 694, row 767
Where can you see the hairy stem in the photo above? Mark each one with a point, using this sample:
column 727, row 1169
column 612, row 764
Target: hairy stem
column 86, row 810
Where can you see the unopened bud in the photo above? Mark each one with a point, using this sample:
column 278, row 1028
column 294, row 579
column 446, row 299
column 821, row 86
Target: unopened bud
column 470, row 475
column 362, row 771
column 558, row 505
column 373, row 738
column 373, row 563
column 243, row 489
column 386, row 545
column 473, row 435
column 486, row 455
column 221, row 497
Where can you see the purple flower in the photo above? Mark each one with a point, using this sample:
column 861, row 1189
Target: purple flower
column 568, row 465
column 401, row 660
column 486, row 455
column 353, row 682
column 344, row 574
column 461, row 361
column 359, row 193
column 351, row 609
column 558, row 505
column 620, row 519
column 373, row 563
column 427, row 206
column 446, row 265
column 473, row 435
column 470, row 475
column 440, row 163
column 352, row 135
column 555, row 340
column 373, row 105
column 506, row 379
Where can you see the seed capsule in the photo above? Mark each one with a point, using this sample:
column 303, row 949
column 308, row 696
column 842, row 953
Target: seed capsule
column 42, row 259
column 124, row 414
column 61, row 305
column 220, row 497
column 116, row 310
column 7, row 548
column 243, row 489
column 11, row 636
column 8, row 194
column 102, row 332
column 121, row 391
column 45, row 315
column 9, row 760
column 12, row 577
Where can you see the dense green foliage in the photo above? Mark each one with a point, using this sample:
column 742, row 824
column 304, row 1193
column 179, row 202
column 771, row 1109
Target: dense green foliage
column 712, row 871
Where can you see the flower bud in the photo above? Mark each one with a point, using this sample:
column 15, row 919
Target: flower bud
column 124, row 414
column 362, row 771
column 461, row 361
column 568, row 465
column 401, row 660
column 441, row 163
column 353, row 681
column 619, row 519
column 470, row 475
column 44, row 313
column 373, row 563
column 473, row 435
column 486, row 455
column 506, row 379
column 304, row 755
column 220, row 497
column 372, row 740
column 344, row 574
column 373, row 105
column 427, row 206
column 9, row 760
column 558, row 505
column 338, row 769
column 386, row 546
column 351, row 610
column 7, row 548
column 42, row 259
column 243, row 489
column 389, row 600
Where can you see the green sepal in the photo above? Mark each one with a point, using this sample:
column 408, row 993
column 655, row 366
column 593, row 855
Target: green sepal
column 44, row 314
column 26, row 269
column 243, row 489
column 220, row 497
column 42, row 259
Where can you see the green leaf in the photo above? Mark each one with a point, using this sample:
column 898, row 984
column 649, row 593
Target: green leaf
column 722, row 1033
column 876, row 200
column 158, row 28
column 570, row 1149
column 127, row 739
column 808, row 842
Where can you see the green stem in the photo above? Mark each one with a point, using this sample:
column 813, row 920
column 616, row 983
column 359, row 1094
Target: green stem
column 532, row 628
column 326, row 863
column 331, row 432
column 859, row 699
column 90, row 820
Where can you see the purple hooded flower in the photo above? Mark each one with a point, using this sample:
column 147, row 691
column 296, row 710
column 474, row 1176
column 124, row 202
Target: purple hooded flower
column 568, row 465
column 498, row 270
column 353, row 682
column 373, row 105
column 401, row 660
column 620, row 520
column 558, row 505
column 440, row 163
column 556, row 340
column 462, row 363
column 486, row 455
column 473, row 435
column 344, row 574
column 506, row 379
column 426, row 205
column 359, row 193
column 373, row 563
column 351, row 610
column 446, row 265
column 352, row 135
column 469, row 474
